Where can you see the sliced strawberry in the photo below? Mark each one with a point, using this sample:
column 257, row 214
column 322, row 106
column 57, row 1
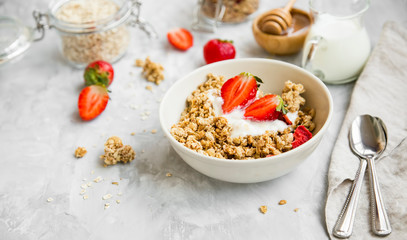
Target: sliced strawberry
column 301, row 135
column 99, row 72
column 283, row 117
column 239, row 91
column 180, row 38
column 92, row 101
column 268, row 107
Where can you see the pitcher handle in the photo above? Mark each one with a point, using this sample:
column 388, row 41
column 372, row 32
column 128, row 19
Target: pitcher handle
column 310, row 49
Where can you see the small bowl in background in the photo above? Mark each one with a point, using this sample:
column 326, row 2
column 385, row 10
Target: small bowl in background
column 274, row 74
column 290, row 43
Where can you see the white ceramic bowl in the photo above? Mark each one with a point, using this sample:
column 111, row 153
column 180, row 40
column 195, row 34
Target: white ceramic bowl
column 274, row 74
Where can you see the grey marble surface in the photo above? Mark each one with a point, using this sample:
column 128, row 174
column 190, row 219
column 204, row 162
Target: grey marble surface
column 40, row 130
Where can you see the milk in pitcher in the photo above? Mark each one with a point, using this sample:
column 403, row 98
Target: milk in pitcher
column 342, row 48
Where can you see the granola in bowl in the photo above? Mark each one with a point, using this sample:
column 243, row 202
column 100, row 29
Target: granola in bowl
column 246, row 131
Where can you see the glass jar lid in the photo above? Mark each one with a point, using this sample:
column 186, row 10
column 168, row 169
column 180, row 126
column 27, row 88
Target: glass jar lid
column 15, row 38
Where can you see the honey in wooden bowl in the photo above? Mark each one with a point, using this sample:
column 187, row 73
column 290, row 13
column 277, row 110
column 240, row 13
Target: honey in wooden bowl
column 289, row 42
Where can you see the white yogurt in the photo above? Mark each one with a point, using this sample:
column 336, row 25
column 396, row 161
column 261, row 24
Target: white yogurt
column 243, row 127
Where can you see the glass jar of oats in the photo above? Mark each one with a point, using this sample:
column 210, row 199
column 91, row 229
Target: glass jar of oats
column 211, row 13
column 89, row 30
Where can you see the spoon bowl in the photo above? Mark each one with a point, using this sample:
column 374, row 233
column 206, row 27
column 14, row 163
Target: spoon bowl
column 367, row 137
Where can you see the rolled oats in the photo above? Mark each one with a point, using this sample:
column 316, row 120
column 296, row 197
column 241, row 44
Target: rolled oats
column 107, row 196
column 87, row 47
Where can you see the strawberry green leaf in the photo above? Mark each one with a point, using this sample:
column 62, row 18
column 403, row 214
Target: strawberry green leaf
column 281, row 106
column 258, row 79
column 93, row 77
column 225, row 41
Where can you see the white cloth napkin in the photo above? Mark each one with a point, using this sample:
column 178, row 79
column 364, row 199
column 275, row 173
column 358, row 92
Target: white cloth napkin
column 380, row 91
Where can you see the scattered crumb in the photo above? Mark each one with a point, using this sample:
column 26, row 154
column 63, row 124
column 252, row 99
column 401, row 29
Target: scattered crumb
column 104, row 165
column 107, row 205
column 121, row 178
column 116, row 152
column 107, row 196
column 117, row 201
column 154, row 131
column 263, row 209
column 282, row 202
column 80, row 152
column 144, row 130
column 83, row 191
column 98, row 179
column 92, row 172
column 168, row 175
column 153, row 72
column 115, row 183
column 296, row 209
column 119, row 194
column 133, row 133
column 142, row 151
column 85, row 197
column 139, row 63
column 145, row 115
column 84, row 179
column 50, row 199
column 84, row 186
column 89, row 184
column 149, row 88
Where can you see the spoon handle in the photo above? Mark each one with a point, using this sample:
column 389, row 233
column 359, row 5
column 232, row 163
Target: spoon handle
column 344, row 225
column 380, row 220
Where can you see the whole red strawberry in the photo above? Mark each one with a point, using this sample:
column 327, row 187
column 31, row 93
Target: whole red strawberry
column 92, row 101
column 217, row 50
column 99, row 72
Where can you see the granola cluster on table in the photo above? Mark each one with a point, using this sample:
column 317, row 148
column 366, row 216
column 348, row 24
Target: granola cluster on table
column 200, row 130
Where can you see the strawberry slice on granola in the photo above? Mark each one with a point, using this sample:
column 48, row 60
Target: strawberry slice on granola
column 301, row 135
column 239, row 91
column 268, row 107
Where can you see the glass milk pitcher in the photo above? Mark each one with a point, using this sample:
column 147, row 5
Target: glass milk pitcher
column 337, row 45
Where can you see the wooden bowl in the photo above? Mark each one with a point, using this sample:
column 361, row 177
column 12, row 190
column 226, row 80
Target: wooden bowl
column 284, row 44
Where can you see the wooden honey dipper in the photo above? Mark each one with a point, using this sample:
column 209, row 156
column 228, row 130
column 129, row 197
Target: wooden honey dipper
column 278, row 20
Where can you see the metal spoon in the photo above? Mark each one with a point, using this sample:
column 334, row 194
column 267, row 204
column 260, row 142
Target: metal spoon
column 380, row 220
column 367, row 139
